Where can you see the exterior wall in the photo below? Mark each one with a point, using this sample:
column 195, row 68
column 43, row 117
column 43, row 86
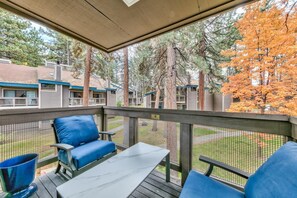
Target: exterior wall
column 218, row 102
column 111, row 99
column 191, row 99
column 66, row 96
column 208, row 101
column 147, row 101
column 120, row 95
column 227, row 100
column 51, row 99
column 222, row 102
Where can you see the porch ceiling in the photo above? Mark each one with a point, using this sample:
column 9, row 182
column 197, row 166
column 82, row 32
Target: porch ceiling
column 110, row 24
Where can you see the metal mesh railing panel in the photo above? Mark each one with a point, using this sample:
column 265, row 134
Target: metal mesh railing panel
column 241, row 149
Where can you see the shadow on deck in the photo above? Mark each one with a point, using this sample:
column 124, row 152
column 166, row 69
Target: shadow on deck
column 153, row 186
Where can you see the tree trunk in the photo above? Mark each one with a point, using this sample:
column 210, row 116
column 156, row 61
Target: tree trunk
column 126, row 78
column 170, row 97
column 202, row 53
column 126, row 95
column 87, row 76
column 155, row 122
column 201, row 91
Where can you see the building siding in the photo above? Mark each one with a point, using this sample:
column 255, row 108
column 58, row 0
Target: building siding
column 51, row 99
column 111, row 99
column 66, row 96
column 191, row 99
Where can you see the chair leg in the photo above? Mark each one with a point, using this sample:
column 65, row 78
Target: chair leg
column 58, row 168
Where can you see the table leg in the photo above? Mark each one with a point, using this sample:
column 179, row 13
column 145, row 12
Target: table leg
column 168, row 168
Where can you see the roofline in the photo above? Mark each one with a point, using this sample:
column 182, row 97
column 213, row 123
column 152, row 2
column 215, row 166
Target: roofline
column 53, row 82
column 81, row 87
column 18, row 85
column 110, row 89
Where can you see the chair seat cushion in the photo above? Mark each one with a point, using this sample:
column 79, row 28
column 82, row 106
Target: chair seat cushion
column 198, row 185
column 88, row 153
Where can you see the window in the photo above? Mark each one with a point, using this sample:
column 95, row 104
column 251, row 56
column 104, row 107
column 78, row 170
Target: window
column 98, row 95
column 48, row 87
column 113, row 92
column 9, row 93
column 76, row 94
column 20, row 93
column 193, row 88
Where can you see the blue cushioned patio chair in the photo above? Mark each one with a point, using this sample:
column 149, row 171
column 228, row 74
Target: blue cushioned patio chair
column 78, row 144
column 277, row 177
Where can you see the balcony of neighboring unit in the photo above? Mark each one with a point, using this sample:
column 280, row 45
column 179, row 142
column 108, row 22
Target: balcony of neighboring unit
column 18, row 102
column 92, row 101
column 180, row 98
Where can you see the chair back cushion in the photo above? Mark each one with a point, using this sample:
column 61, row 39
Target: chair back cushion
column 277, row 177
column 76, row 130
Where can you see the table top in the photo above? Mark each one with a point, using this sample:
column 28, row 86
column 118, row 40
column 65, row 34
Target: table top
column 118, row 176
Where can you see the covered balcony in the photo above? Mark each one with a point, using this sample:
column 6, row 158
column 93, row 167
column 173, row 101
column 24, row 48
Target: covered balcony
column 227, row 137
column 242, row 140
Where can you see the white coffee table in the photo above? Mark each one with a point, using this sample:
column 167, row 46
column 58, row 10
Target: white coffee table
column 118, row 176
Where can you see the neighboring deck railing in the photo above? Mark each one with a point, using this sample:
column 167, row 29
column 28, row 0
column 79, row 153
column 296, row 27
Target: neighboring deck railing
column 18, row 102
column 92, row 101
column 198, row 132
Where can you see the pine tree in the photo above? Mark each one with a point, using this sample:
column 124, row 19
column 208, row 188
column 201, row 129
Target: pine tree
column 19, row 41
column 59, row 47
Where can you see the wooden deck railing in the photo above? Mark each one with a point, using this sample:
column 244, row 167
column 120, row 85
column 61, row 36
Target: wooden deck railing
column 270, row 124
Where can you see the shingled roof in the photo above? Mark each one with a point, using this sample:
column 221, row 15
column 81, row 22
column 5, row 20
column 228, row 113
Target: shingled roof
column 30, row 75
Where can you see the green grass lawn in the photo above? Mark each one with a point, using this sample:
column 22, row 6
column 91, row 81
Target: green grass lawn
column 116, row 118
column 237, row 151
column 114, row 125
column 201, row 131
column 35, row 142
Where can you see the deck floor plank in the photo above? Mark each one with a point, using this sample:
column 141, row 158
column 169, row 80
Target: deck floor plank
column 163, row 187
column 49, row 185
column 161, row 180
column 147, row 192
column 154, row 186
column 138, row 194
column 56, row 179
column 156, row 190
column 41, row 192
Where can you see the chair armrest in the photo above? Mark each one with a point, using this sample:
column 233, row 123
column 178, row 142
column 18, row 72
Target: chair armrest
column 103, row 133
column 66, row 147
column 222, row 165
column 107, row 133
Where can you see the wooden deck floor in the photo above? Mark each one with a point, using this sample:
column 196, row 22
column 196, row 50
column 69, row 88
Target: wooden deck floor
column 153, row 186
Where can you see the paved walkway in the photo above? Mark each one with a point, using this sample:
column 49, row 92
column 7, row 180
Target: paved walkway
column 116, row 129
column 212, row 137
column 196, row 140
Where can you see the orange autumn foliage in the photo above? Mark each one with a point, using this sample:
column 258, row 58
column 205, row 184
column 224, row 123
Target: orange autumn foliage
column 265, row 60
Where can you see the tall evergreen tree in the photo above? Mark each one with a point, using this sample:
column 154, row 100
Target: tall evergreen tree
column 19, row 41
column 58, row 47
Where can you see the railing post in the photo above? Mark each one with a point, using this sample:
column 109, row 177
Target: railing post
column 133, row 131
column 103, row 122
column 186, row 148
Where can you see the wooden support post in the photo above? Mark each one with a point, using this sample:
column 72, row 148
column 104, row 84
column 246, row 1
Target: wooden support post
column 133, row 131
column 186, row 146
column 103, row 124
